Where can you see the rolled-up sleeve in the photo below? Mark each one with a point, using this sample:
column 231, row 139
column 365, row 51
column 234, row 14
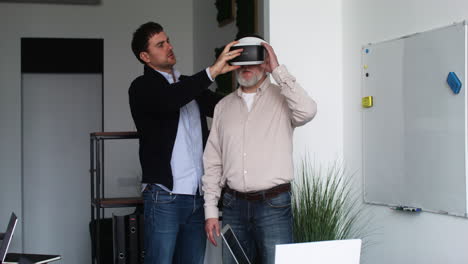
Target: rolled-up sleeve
column 303, row 107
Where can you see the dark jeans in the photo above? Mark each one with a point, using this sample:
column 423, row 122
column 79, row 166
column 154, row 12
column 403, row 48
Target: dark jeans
column 259, row 225
column 174, row 227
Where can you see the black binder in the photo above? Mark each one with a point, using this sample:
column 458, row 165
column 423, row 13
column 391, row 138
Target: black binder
column 128, row 239
column 141, row 245
column 105, row 238
column 120, row 239
column 132, row 235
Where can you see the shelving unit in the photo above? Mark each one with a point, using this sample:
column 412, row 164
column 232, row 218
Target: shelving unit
column 98, row 200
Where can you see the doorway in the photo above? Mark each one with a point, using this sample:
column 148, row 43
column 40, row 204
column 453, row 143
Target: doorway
column 62, row 102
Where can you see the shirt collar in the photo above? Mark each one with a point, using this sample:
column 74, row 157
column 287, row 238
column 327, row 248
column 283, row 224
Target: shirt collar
column 168, row 76
column 260, row 90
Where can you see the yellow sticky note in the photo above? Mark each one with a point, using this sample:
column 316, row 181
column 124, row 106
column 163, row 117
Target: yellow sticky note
column 367, row 101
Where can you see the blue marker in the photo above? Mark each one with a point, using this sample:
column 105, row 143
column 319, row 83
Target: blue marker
column 411, row 209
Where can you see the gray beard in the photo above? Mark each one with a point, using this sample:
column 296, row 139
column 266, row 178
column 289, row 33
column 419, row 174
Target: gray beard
column 249, row 83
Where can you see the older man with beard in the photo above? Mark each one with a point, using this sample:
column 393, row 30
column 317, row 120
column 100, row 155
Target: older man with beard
column 249, row 152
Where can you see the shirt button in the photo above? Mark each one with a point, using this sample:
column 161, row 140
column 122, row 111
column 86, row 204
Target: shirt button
column 245, row 172
column 245, row 154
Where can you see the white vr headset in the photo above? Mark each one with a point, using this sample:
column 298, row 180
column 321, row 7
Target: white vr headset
column 253, row 52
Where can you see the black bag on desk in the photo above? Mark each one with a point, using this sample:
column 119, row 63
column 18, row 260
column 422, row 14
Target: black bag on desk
column 127, row 233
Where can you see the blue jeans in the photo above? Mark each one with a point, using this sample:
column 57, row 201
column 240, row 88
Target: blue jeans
column 258, row 225
column 174, row 227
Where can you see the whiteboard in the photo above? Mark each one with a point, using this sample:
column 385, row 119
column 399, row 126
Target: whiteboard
column 414, row 136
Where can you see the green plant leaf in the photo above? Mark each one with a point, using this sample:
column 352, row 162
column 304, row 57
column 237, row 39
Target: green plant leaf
column 324, row 206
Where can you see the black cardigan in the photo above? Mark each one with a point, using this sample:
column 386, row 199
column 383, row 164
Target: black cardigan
column 155, row 105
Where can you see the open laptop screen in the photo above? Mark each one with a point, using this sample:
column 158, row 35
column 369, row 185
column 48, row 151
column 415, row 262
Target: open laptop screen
column 7, row 236
column 323, row 252
column 234, row 246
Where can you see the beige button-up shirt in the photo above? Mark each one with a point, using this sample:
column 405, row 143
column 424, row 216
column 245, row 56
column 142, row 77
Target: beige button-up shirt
column 252, row 151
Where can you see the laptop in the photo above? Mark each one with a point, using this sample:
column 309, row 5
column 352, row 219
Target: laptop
column 16, row 257
column 234, row 246
column 324, row 252
column 6, row 237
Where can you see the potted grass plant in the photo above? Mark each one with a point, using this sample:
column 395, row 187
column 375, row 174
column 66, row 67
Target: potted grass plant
column 324, row 205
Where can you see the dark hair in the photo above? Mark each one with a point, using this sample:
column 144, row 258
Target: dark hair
column 141, row 37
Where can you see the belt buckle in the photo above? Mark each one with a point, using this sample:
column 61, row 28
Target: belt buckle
column 254, row 196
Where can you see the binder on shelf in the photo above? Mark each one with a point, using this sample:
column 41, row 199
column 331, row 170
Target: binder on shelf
column 132, row 235
column 128, row 239
column 120, row 239
column 141, row 233
column 105, row 239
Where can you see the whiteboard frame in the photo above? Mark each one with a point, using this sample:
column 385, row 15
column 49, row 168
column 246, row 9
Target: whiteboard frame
column 465, row 83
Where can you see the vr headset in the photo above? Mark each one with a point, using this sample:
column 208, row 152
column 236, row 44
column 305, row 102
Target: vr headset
column 253, row 53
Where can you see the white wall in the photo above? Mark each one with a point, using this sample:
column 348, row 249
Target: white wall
column 307, row 37
column 112, row 20
column 52, row 213
column 398, row 238
column 320, row 43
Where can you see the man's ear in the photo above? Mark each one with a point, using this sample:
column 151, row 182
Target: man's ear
column 144, row 56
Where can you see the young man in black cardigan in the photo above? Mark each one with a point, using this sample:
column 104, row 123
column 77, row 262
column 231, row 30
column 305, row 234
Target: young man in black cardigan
column 169, row 111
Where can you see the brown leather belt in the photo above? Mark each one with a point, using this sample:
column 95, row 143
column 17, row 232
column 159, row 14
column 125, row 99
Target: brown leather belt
column 260, row 195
